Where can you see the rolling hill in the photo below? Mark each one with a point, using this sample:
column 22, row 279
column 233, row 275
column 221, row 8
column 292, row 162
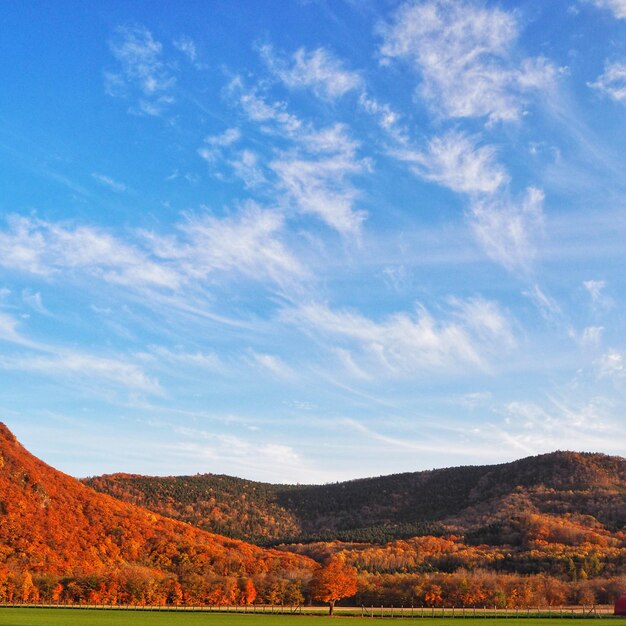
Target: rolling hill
column 481, row 502
column 542, row 530
column 51, row 525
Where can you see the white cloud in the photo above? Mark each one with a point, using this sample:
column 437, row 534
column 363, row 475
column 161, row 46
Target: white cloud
column 319, row 186
column 46, row 248
column 246, row 166
column 611, row 365
column 575, row 423
column 227, row 138
column 34, row 301
column 454, row 160
column 232, row 454
column 388, row 119
column 109, row 182
column 203, row 247
column 202, row 360
column 9, row 331
column 57, row 362
column 350, row 365
column 475, row 399
column 617, row 7
column 258, row 109
column 84, row 366
column 592, row 335
column 403, row 345
column 318, row 70
column 216, row 143
column 247, row 244
column 465, row 55
column 188, row 47
column 484, row 320
column 595, row 289
column 273, row 364
column 612, row 82
column 142, row 72
column 597, row 292
column 314, row 176
column 506, row 230
column 548, row 306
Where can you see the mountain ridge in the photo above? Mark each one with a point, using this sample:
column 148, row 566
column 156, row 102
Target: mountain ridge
column 53, row 525
column 457, row 498
column 543, row 530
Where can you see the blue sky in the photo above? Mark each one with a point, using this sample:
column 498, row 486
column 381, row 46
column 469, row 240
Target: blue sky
column 312, row 241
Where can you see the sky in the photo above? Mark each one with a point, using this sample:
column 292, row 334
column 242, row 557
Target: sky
column 309, row 241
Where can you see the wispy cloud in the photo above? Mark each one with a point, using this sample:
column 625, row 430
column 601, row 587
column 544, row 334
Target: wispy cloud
column 455, row 160
column 473, row 332
column 34, row 300
column 576, row 423
column 465, row 54
column 388, row 118
column 612, row 365
column 318, row 70
column 247, row 244
column 612, row 82
column 592, row 336
column 247, row 167
column 265, row 460
column 214, row 144
column 187, row 46
column 597, row 293
column 272, row 364
column 202, row 247
column 109, row 182
column 545, row 304
column 46, row 248
column 595, row 289
column 320, row 184
column 273, row 114
column 87, row 367
column 9, row 332
column 507, row 229
column 203, row 361
column 617, row 7
column 315, row 175
column 142, row 73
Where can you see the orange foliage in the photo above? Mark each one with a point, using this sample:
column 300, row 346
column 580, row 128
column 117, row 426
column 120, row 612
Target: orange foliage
column 52, row 524
column 333, row 581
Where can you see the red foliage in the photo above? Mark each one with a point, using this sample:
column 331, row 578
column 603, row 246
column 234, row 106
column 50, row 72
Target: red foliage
column 333, row 581
column 51, row 524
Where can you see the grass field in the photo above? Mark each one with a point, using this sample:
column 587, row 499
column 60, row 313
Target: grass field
column 89, row 617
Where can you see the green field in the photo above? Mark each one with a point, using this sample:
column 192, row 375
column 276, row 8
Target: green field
column 89, row 617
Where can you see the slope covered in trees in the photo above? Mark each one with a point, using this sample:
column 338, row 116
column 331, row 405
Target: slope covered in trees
column 485, row 503
column 61, row 539
column 543, row 530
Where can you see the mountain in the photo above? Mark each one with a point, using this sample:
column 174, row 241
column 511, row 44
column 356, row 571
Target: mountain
column 542, row 530
column 482, row 502
column 52, row 525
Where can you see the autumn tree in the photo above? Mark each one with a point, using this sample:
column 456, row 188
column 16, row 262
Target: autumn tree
column 248, row 591
column 333, row 581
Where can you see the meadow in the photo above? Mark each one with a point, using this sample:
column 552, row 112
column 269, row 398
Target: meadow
column 95, row 617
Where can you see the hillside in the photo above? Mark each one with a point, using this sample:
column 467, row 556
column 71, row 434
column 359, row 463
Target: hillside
column 53, row 528
column 543, row 530
column 479, row 501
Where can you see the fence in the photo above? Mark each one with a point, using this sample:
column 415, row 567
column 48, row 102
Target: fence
column 362, row 611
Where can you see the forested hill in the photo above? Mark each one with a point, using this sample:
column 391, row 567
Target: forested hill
column 486, row 503
column 51, row 525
